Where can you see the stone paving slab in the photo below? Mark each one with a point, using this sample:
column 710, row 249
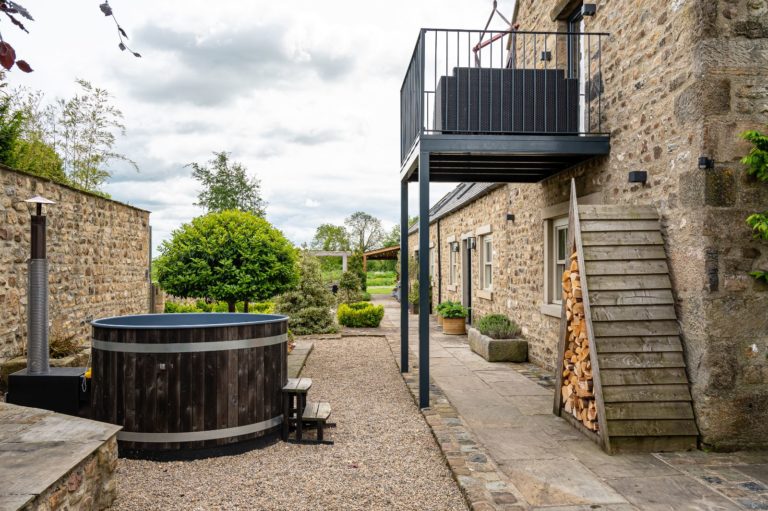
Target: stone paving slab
column 38, row 447
column 297, row 358
column 504, row 411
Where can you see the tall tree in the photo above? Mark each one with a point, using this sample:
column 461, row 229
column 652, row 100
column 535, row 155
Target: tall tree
column 330, row 237
column 226, row 185
column 11, row 122
column 365, row 231
column 228, row 256
column 84, row 136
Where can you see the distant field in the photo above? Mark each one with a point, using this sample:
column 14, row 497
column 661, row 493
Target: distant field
column 380, row 290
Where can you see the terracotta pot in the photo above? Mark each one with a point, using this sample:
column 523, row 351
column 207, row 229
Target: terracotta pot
column 439, row 320
column 454, row 326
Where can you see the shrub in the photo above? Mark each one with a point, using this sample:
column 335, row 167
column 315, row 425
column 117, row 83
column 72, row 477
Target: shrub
column 454, row 310
column 366, row 296
column 360, row 314
column 349, row 288
column 498, row 326
column 446, row 304
column 308, row 307
column 177, row 308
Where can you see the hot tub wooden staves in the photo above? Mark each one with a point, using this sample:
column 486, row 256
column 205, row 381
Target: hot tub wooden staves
column 204, row 382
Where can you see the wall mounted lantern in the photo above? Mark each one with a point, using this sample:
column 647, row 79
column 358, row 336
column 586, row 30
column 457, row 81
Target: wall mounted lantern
column 510, row 217
column 706, row 163
column 454, row 247
column 638, row 176
column 588, row 10
column 472, row 243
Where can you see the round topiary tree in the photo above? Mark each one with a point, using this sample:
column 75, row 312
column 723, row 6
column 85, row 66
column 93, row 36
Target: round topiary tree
column 309, row 305
column 227, row 256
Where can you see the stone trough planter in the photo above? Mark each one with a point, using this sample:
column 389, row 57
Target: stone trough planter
column 498, row 350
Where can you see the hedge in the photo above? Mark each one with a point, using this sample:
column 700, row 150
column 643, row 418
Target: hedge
column 360, row 314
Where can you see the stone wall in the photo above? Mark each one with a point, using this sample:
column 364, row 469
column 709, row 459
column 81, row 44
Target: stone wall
column 681, row 79
column 98, row 252
column 90, row 485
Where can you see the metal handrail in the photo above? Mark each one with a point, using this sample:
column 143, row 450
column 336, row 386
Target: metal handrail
column 523, row 82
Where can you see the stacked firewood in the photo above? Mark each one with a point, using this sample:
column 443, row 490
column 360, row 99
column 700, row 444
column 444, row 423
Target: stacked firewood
column 577, row 390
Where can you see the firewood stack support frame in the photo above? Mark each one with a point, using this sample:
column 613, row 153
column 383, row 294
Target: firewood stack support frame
column 642, row 397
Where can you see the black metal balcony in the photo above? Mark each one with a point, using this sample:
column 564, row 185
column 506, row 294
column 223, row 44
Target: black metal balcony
column 504, row 106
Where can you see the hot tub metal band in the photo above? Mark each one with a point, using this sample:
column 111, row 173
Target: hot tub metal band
column 188, row 347
column 196, row 436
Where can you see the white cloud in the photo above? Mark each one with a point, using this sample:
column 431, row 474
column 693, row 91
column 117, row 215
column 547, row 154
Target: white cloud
column 305, row 94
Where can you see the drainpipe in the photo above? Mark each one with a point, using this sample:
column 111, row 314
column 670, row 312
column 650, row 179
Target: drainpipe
column 439, row 265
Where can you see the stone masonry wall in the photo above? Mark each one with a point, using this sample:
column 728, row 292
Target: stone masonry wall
column 98, row 252
column 90, row 485
column 681, row 79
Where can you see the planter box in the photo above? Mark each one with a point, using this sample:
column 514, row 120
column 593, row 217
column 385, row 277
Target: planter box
column 498, row 350
column 454, row 326
column 439, row 320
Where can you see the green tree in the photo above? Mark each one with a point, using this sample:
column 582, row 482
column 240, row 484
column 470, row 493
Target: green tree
column 756, row 162
column 85, row 129
column 227, row 256
column 349, row 287
column 309, row 305
column 330, row 237
column 11, row 122
column 226, row 185
column 365, row 231
column 35, row 156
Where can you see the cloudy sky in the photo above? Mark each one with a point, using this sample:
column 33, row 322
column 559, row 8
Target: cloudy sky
column 304, row 93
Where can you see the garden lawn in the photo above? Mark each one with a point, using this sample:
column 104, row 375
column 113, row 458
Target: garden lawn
column 384, row 457
column 380, row 290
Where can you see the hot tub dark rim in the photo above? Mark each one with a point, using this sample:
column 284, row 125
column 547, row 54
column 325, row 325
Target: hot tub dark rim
column 166, row 321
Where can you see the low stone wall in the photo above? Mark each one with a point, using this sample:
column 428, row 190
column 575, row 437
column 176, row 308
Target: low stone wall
column 98, row 252
column 90, row 485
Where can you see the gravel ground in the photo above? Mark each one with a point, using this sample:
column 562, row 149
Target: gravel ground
column 384, row 456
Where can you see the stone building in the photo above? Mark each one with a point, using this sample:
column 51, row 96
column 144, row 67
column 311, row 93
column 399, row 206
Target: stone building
column 98, row 252
column 678, row 80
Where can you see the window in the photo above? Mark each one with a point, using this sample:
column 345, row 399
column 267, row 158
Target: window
column 432, row 264
column 560, row 255
column 453, row 263
column 487, row 262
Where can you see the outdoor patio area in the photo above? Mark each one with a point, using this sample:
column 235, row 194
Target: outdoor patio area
column 495, row 425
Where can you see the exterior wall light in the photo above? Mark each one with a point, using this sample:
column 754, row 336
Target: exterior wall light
column 546, row 56
column 706, row 163
column 510, row 217
column 472, row 243
column 454, row 247
column 588, row 10
column 638, row 176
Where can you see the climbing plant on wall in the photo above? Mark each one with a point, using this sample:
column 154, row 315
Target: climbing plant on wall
column 756, row 162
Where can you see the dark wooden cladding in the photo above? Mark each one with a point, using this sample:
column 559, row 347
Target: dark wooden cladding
column 188, row 392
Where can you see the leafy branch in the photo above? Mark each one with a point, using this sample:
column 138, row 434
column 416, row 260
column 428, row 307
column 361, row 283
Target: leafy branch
column 107, row 10
column 756, row 163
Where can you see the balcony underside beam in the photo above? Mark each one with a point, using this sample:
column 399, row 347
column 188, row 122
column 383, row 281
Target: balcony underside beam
column 502, row 158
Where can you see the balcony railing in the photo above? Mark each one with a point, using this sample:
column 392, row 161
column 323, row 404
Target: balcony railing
column 502, row 83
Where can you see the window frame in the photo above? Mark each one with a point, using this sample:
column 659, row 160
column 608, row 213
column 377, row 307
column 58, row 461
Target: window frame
column 486, row 262
column 557, row 225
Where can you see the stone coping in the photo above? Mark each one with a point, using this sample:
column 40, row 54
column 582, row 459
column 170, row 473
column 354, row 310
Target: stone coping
column 38, row 447
column 297, row 358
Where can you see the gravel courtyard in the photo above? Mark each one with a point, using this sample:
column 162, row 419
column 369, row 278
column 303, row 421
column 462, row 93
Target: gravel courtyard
column 384, row 456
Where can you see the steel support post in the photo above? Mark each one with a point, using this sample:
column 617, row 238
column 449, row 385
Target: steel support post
column 404, row 277
column 424, row 281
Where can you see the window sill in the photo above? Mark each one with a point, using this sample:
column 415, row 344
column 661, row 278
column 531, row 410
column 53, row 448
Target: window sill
column 485, row 294
column 552, row 309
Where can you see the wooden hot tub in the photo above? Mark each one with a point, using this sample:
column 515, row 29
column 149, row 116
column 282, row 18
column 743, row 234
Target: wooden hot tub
column 176, row 381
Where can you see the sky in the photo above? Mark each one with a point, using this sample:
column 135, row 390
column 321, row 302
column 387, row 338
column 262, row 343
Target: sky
column 305, row 94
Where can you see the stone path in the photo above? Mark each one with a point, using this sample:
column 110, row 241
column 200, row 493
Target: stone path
column 504, row 412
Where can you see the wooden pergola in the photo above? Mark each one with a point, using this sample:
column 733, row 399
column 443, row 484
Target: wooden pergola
column 381, row 254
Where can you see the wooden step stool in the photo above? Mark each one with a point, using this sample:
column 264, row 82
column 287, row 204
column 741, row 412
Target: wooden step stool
column 317, row 414
column 294, row 401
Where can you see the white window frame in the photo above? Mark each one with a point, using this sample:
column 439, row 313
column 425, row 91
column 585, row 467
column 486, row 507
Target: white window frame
column 558, row 225
column 486, row 262
column 552, row 295
column 452, row 265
